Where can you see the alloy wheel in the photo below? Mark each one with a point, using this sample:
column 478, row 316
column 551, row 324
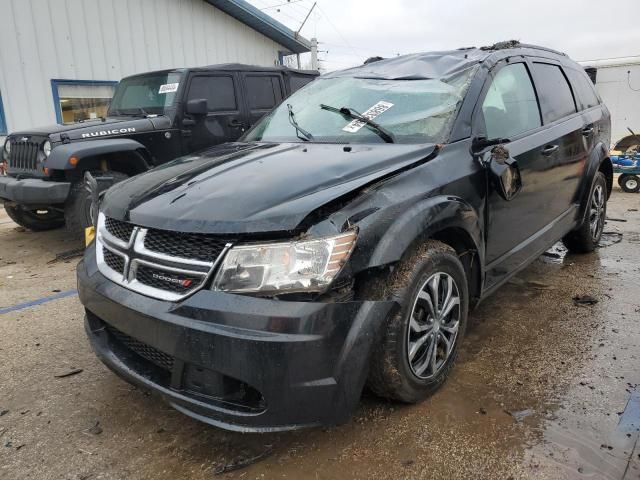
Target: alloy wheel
column 596, row 212
column 433, row 325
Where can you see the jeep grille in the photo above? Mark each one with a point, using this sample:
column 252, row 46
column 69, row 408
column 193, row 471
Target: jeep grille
column 24, row 156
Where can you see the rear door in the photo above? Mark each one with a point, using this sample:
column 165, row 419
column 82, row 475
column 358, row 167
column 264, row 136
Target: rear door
column 224, row 119
column 564, row 154
column 262, row 92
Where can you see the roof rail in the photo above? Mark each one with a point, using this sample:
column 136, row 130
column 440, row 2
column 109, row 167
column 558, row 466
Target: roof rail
column 516, row 44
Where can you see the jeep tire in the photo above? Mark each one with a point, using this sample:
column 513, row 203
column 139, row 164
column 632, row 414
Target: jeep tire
column 419, row 344
column 77, row 210
column 36, row 219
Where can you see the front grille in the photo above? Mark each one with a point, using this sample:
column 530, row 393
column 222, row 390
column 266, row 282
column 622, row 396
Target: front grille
column 113, row 261
column 24, row 155
column 155, row 356
column 156, row 263
column 120, row 230
column 162, row 280
column 196, row 246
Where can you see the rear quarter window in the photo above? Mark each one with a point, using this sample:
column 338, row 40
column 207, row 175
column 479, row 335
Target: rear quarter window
column 554, row 92
column 586, row 96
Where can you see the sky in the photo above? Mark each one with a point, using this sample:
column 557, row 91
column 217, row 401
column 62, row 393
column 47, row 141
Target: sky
column 349, row 31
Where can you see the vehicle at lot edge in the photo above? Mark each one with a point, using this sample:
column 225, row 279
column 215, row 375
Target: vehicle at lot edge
column 153, row 118
column 259, row 285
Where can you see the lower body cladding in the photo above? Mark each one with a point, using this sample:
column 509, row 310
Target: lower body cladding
column 237, row 362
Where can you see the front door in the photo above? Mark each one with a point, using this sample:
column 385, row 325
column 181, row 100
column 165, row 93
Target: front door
column 224, row 120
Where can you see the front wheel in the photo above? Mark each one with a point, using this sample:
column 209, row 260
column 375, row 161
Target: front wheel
column 630, row 183
column 77, row 211
column 420, row 344
column 36, row 219
column 585, row 238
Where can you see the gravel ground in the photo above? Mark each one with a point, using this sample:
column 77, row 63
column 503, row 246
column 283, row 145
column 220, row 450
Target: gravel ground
column 543, row 388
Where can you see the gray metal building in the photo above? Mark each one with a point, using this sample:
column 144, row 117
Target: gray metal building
column 60, row 59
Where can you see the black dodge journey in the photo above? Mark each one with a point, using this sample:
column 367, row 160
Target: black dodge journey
column 261, row 285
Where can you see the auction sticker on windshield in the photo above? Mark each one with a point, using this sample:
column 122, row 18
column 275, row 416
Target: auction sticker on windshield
column 168, row 88
column 378, row 109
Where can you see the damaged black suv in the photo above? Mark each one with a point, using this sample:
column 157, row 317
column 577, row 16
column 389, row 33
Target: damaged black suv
column 260, row 285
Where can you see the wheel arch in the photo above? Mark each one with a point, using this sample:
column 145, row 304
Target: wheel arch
column 123, row 155
column 598, row 161
column 444, row 218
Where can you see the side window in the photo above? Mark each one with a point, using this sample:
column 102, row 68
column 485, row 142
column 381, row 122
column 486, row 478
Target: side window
column 510, row 107
column 586, row 95
column 297, row 82
column 219, row 92
column 556, row 100
column 263, row 91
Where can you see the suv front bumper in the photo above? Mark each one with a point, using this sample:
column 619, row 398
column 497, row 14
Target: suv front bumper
column 33, row 191
column 237, row 362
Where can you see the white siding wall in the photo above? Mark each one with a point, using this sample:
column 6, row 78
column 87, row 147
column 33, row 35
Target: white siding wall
column 621, row 93
column 107, row 40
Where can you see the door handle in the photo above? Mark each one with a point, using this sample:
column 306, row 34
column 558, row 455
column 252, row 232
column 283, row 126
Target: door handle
column 587, row 131
column 549, row 150
column 235, row 123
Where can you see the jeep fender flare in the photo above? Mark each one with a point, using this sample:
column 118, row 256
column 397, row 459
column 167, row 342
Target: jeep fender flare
column 425, row 219
column 599, row 155
column 60, row 155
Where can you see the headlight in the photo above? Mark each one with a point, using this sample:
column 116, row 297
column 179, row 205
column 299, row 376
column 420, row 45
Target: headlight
column 303, row 266
column 7, row 146
column 46, row 148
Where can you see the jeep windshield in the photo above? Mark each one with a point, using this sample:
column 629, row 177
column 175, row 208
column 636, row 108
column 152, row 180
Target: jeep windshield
column 145, row 94
column 409, row 111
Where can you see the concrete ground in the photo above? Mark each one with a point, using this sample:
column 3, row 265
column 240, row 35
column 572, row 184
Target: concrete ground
column 544, row 388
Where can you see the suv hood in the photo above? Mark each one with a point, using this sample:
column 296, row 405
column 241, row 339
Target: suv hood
column 98, row 128
column 253, row 188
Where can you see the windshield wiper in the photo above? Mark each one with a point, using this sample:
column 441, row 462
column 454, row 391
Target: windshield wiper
column 125, row 112
column 382, row 132
column 306, row 136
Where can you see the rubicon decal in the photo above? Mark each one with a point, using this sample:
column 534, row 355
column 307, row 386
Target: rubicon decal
column 185, row 282
column 102, row 133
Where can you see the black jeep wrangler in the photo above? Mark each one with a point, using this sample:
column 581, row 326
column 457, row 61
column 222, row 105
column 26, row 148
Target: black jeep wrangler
column 153, row 118
column 259, row 285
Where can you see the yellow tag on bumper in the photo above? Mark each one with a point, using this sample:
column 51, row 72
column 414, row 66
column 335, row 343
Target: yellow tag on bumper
column 89, row 235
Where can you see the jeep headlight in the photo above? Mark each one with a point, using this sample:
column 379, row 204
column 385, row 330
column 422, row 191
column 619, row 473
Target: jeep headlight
column 46, row 148
column 301, row 266
column 7, row 146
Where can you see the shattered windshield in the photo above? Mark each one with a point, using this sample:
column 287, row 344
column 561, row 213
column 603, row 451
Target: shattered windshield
column 145, row 94
column 410, row 111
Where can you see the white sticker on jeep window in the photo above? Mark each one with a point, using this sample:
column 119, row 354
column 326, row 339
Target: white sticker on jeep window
column 378, row 109
column 168, row 88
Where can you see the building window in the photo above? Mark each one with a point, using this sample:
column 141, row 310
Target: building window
column 77, row 100
column 3, row 122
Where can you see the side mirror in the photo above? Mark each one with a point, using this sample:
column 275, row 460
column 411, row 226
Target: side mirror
column 197, row 106
column 504, row 171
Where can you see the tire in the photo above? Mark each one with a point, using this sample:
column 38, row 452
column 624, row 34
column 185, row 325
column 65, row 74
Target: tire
column 585, row 238
column 77, row 210
column 398, row 367
column 621, row 179
column 36, row 219
column 630, row 183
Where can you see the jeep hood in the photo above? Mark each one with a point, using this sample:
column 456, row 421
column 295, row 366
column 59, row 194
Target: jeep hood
column 254, row 187
column 108, row 127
